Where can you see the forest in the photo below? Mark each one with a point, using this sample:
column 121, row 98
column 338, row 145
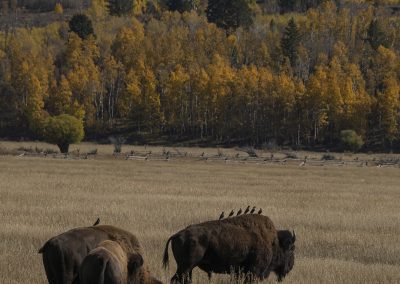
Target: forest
column 291, row 73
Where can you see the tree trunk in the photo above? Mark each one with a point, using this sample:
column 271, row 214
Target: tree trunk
column 63, row 147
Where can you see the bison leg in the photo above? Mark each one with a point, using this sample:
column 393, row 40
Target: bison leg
column 182, row 276
column 249, row 278
column 188, row 254
column 57, row 267
column 209, row 274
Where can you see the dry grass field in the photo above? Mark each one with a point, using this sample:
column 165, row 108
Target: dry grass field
column 347, row 219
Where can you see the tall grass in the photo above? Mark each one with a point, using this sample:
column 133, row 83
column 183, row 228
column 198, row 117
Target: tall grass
column 347, row 220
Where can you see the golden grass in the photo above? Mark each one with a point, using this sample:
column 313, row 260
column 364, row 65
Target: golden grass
column 347, row 219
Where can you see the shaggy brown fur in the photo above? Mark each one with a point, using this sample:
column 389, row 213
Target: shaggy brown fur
column 107, row 263
column 246, row 244
column 63, row 254
column 110, row 263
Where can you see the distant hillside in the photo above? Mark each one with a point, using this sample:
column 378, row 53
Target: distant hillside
column 319, row 75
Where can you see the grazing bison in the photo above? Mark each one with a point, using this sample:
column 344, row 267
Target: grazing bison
column 63, row 254
column 111, row 263
column 246, row 244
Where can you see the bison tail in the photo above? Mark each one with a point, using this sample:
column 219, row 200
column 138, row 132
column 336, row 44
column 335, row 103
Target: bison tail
column 166, row 257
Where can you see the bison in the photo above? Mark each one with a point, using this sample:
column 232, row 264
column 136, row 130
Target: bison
column 243, row 245
column 63, row 254
column 112, row 263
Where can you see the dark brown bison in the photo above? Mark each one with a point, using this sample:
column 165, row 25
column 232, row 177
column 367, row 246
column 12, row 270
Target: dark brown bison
column 244, row 245
column 112, row 263
column 63, row 254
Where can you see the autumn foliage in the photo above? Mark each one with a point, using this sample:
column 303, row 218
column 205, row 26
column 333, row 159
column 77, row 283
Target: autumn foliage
column 296, row 80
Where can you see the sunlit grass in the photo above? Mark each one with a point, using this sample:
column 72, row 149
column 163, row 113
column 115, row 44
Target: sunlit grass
column 346, row 219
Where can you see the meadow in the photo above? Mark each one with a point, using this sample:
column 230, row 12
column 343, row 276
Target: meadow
column 346, row 219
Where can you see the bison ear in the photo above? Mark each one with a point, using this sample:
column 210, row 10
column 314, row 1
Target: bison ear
column 135, row 261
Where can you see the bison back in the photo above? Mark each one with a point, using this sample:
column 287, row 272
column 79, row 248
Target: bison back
column 63, row 254
column 100, row 269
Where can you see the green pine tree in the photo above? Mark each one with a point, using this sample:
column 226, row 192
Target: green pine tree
column 182, row 5
column 290, row 42
column 120, row 7
column 376, row 36
column 81, row 25
column 230, row 14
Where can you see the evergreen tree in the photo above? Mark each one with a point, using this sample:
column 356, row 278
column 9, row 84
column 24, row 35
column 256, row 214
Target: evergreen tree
column 375, row 35
column 290, row 42
column 287, row 5
column 81, row 25
column 298, row 5
column 182, row 5
column 120, row 7
column 230, row 14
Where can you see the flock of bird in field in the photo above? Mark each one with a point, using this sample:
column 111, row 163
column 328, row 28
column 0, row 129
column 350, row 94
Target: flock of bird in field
column 246, row 245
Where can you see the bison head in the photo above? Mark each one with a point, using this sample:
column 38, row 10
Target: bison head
column 286, row 260
column 135, row 262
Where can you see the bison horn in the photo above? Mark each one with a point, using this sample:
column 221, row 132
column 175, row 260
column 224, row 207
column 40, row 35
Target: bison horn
column 294, row 237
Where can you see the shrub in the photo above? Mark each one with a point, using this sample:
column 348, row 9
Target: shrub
column 328, row 157
column 250, row 151
column 291, row 155
column 4, row 151
column 117, row 142
column 63, row 130
column 92, row 152
column 351, row 140
column 50, row 151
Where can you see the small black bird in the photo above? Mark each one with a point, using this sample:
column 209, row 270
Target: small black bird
column 231, row 214
column 221, row 216
column 97, row 222
column 259, row 211
column 247, row 210
column 239, row 212
column 253, row 210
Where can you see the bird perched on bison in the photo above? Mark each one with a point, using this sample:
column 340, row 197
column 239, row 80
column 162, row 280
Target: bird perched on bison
column 63, row 254
column 97, row 222
column 246, row 244
column 113, row 263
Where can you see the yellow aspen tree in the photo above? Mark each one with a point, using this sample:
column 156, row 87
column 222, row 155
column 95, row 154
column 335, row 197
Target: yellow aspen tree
column 83, row 74
column 199, row 88
column 388, row 102
column 176, row 103
column 98, row 10
column 60, row 97
column 220, row 87
column 127, row 47
column 316, row 105
column 112, row 80
column 130, row 97
column 58, row 9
